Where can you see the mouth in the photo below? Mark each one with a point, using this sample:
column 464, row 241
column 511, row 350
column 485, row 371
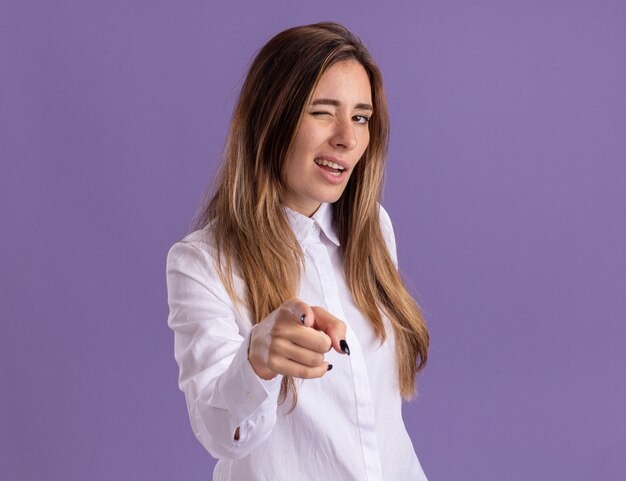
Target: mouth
column 331, row 166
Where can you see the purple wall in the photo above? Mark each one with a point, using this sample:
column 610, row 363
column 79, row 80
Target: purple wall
column 506, row 184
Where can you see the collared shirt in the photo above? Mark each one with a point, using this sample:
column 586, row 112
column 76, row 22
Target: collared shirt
column 347, row 425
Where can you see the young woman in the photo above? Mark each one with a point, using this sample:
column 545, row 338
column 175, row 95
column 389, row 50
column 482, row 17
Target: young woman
column 292, row 272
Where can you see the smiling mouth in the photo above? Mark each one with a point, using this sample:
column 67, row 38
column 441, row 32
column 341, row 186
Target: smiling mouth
column 331, row 167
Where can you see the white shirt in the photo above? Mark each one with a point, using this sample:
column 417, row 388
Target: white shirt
column 347, row 425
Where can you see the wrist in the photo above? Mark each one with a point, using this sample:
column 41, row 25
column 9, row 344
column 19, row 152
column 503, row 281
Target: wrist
column 257, row 364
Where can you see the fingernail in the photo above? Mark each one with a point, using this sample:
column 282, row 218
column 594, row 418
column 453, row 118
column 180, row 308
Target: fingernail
column 302, row 318
column 330, row 366
column 344, row 346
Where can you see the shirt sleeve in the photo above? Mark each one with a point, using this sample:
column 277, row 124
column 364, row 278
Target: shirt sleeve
column 388, row 234
column 221, row 389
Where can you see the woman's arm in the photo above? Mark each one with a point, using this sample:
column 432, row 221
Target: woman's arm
column 222, row 391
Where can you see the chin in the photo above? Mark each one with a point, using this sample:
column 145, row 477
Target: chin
column 332, row 197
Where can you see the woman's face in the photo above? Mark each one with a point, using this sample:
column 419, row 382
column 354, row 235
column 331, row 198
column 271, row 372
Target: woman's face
column 333, row 134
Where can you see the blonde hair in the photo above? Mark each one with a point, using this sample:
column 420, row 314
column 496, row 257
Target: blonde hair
column 251, row 231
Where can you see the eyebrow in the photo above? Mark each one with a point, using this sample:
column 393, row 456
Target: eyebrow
column 337, row 103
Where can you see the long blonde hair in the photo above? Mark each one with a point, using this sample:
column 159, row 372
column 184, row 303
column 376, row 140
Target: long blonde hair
column 251, row 231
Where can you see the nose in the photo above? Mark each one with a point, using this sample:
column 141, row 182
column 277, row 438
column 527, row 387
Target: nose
column 344, row 136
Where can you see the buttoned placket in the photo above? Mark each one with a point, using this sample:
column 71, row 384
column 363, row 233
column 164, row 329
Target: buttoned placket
column 318, row 254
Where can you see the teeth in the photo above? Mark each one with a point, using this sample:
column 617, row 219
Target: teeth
column 329, row 164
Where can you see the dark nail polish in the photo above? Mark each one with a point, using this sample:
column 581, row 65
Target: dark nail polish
column 330, row 366
column 344, row 346
column 302, row 318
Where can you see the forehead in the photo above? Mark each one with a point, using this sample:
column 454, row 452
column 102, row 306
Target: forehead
column 347, row 81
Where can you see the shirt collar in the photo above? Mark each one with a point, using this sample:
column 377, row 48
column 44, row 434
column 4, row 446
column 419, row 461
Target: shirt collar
column 304, row 226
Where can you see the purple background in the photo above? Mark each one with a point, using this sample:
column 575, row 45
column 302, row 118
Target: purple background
column 506, row 184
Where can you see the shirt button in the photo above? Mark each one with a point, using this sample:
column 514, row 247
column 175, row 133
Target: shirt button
column 250, row 397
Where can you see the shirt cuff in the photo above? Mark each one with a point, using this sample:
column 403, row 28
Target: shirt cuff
column 243, row 391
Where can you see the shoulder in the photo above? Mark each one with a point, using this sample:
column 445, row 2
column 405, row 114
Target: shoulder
column 385, row 220
column 192, row 261
column 386, row 228
column 198, row 246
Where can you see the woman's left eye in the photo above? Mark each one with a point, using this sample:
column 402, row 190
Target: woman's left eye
column 361, row 119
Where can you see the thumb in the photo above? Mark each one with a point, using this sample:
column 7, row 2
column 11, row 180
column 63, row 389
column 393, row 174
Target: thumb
column 333, row 327
column 301, row 310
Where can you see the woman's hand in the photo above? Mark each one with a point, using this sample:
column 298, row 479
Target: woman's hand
column 284, row 343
